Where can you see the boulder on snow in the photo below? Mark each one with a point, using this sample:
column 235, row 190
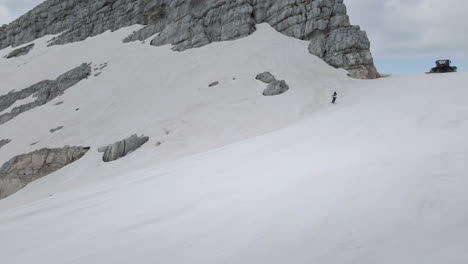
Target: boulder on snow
column 23, row 169
column 3, row 142
column 121, row 148
column 266, row 77
column 213, row 84
column 20, row 52
column 276, row 88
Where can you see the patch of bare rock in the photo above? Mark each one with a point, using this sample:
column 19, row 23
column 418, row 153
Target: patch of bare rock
column 20, row 51
column 122, row 148
column 44, row 92
column 53, row 130
column 23, row 169
column 3, row 142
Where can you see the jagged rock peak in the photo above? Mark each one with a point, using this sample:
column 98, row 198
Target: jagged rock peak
column 194, row 23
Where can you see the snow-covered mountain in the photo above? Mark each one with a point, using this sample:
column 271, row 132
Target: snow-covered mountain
column 225, row 174
column 194, row 23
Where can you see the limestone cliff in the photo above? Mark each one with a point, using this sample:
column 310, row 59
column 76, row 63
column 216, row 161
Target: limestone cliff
column 194, row 23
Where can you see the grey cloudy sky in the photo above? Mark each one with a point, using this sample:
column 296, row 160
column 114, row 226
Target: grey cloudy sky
column 398, row 29
column 11, row 9
column 414, row 28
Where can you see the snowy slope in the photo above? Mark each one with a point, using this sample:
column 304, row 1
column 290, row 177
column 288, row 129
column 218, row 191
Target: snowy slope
column 378, row 178
column 156, row 91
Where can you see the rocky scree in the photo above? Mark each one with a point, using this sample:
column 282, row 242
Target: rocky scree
column 23, row 169
column 193, row 23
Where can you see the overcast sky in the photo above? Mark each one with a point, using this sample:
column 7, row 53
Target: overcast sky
column 418, row 31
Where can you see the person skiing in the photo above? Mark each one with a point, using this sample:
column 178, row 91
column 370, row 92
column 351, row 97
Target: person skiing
column 335, row 95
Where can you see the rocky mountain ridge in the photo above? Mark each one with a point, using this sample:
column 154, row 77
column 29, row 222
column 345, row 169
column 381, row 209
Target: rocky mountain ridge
column 193, row 23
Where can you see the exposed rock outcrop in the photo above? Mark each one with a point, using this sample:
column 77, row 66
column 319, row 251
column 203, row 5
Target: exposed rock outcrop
column 53, row 130
column 121, row 148
column 213, row 84
column 347, row 48
column 20, row 52
column 276, row 88
column 44, row 92
column 194, row 23
column 23, row 169
column 3, row 142
column 266, row 77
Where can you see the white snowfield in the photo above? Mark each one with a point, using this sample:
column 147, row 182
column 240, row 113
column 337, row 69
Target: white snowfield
column 380, row 177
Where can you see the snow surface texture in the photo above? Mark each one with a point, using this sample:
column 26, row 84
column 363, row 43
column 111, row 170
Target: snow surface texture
column 378, row 178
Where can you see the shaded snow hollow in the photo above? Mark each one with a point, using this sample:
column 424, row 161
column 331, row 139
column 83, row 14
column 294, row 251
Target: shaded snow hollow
column 238, row 178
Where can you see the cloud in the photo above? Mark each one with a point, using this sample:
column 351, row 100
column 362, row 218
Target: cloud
column 5, row 15
column 413, row 28
column 12, row 9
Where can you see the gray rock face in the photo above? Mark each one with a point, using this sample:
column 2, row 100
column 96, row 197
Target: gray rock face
column 20, row 52
column 23, row 169
column 193, row 23
column 347, row 46
column 44, row 91
column 266, row 77
column 198, row 23
column 3, row 142
column 75, row 19
column 276, row 88
column 121, row 148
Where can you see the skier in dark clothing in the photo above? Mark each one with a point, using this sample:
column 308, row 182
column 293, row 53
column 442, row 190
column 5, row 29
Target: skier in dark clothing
column 335, row 95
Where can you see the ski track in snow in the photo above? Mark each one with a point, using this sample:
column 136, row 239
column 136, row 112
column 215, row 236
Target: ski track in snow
column 239, row 178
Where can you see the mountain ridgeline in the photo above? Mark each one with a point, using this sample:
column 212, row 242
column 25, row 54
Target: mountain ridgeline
column 194, row 23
